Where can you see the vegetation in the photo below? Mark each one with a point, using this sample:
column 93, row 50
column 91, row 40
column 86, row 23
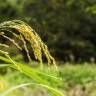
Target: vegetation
column 75, row 81
column 27, row 67
column 26, row 32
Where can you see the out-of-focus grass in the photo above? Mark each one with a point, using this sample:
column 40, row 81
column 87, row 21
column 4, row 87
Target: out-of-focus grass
column 76, row 78
column 79, row 74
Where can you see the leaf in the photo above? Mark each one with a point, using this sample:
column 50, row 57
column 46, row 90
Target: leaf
column 32, row 74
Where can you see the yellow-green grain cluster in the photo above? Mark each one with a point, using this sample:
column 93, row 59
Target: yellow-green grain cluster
column 25, row 32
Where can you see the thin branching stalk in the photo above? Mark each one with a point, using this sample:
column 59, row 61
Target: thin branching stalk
column 13, row 41
column 12, row 61
column 4, row 45
column 25, row 47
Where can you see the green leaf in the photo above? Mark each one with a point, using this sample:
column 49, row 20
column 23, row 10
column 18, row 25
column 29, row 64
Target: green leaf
column 32, row 74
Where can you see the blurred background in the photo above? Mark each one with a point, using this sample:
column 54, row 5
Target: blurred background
column 66, row 26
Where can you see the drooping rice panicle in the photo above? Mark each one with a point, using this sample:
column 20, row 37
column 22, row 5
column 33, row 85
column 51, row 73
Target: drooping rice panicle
column 32, row 37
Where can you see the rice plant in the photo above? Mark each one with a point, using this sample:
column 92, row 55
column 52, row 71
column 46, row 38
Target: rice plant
column 25, row 33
